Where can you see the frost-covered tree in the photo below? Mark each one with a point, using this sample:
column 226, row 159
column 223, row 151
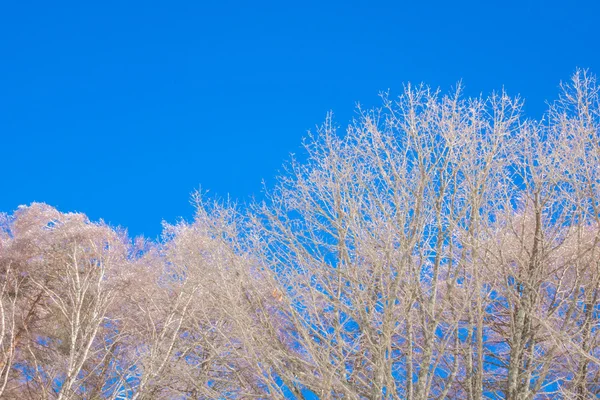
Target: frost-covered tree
column 443, row 247
column 61, row 276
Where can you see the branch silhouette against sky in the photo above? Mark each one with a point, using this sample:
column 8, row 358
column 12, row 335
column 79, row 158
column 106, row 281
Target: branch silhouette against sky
column 439, row 239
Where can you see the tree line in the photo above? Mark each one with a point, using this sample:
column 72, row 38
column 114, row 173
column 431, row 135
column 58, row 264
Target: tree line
column 439, row 247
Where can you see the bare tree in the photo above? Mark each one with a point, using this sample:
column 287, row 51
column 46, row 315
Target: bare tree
column 67, row 275
column 196, row 312
column 432, row 250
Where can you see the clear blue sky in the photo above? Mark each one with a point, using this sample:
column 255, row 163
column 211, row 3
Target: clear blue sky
column 121, row 109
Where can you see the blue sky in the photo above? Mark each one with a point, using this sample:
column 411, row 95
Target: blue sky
column 121, row 109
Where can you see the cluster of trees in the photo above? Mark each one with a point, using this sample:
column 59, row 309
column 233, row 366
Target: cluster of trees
column 441, row 247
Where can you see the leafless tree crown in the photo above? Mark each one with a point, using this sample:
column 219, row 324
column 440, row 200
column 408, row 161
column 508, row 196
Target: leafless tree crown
column 441, row 247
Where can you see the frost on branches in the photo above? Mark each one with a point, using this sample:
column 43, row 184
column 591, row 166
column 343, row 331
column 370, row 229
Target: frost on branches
column 441, row 247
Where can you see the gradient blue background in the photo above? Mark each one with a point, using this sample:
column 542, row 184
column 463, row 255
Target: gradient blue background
column 121, row 109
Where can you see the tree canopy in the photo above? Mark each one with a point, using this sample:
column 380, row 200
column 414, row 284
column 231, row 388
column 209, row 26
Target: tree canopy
column 439, row 247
